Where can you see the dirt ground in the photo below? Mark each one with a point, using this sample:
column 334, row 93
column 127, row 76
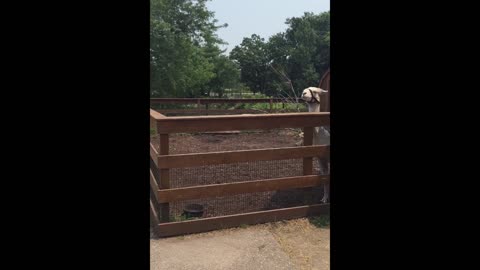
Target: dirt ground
column 294, row 244
column 307, row 245
column 184, row 143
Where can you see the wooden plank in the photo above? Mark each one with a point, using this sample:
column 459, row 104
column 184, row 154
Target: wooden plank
column 164, row 177
column 223, row 222
column 219, row 190
column 228, row 157
column 242, row 122
column 220, row 111
column 154, row 221
column 227, row 132
column 156, row 204
column 218, row 100
column 205, row 111
column 164, row 145
column 154, row 154
column 325, row 99
column 307, row 140
column 153, row 124
column 154, row 187
column 155, row 170
column 156, row 115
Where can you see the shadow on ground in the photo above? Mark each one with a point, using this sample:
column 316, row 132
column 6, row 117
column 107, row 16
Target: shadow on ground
column 321, row 221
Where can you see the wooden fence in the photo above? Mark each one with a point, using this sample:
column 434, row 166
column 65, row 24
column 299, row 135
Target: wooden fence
column 162, row 161
column 202, row 105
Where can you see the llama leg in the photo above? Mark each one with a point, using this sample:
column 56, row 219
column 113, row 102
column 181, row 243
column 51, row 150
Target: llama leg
column 326, row 188
column 323, row 164
column 326, row 193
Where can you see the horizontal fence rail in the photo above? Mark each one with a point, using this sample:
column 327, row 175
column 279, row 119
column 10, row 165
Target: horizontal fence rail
column 154, row 220
column 224, row 222
column 208, row 111
column 156, row 115
column 220, row 190
column 220, row 100
column 178, row 124
column 228, row 157
column 154, row 154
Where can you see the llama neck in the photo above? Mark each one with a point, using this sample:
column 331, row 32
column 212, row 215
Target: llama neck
column 313, row 107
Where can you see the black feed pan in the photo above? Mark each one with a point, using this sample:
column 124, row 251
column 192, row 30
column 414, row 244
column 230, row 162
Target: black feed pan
column 193, row 210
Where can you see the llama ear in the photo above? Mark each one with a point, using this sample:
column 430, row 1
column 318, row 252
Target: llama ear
column 318, row 90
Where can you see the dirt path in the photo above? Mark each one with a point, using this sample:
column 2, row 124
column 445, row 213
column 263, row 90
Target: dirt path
column 295, row 244
column 307, row 245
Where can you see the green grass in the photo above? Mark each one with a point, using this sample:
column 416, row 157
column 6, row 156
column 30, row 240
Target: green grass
column 320, row 221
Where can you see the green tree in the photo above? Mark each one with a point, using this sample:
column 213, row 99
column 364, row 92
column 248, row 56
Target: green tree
column 291, row 60
column 309, row 39
column 183, row 48
column 227, row 75
column 251, row 55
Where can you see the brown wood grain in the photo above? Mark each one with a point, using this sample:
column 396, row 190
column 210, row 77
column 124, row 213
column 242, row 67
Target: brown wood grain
column 219, row 190
column 223, row 222
column 154, row 154
column 154, row 187
column 154, row 221
column 218, row 100
column 156, row 115
column 227, row 157
column 307, row 140
column 205, row 111
column 178, row 124
column 164, row 177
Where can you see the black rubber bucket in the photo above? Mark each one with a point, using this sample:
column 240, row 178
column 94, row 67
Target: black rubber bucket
column 193, row 211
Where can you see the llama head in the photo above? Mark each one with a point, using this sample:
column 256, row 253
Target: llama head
column 312, row 94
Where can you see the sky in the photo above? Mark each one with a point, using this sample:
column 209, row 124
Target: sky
column 262, row 17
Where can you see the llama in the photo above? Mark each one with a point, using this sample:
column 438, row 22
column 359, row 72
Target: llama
column 321, row 135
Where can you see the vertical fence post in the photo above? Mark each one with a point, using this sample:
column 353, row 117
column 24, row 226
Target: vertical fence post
column 153, row 125
column 307, row 140
column 164, row 177
column 271, row 105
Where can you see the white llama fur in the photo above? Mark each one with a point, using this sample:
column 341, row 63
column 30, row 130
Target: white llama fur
column 321, row 135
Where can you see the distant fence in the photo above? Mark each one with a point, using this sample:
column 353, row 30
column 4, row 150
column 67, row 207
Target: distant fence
column 202, row 105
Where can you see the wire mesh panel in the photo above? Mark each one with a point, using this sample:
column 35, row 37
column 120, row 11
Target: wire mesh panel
column 188, row 143
column 238, row 172
column 244, row 203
